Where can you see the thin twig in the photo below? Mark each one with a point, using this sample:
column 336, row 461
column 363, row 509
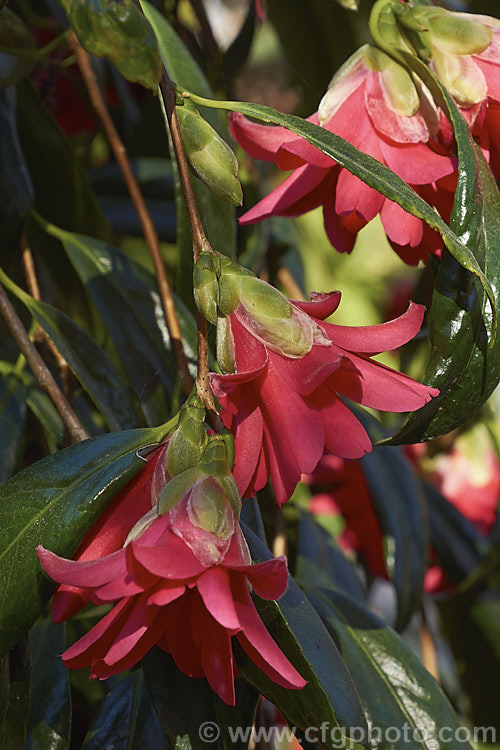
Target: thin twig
column 208, row 42
column 40, row 369
column 287, row 281
column 148, row 228
column 280, row 542
column 34, row 290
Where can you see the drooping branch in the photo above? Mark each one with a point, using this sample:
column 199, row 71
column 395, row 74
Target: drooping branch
column 40, row 370
column 150, row 234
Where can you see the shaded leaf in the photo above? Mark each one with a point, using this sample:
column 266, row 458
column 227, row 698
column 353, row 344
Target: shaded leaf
column 126, row 297
column 49, row 722
column 53, row 503
column 14, row 34
column 15, row 695
column 321, row 562
column 12, row 421
column 127, row 720
column 184, row 705
column 88, row 362
column 396, row 689
column 398, row 503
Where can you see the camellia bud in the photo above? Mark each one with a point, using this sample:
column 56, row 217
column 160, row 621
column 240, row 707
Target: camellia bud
column 266, row 313
column 211, row 159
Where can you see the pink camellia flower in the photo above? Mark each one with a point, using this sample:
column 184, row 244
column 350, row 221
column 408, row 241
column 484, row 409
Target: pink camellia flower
column 346, row 493
column 375, row 105
column 281, row 396
column 180, row 581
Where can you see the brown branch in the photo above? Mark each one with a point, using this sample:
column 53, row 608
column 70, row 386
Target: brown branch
column 287, row 281
column 148, row 228
column 200, row 244
column 40, row 369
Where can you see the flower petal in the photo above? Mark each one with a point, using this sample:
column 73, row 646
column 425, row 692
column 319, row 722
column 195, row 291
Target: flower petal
column 89, row 574
column 259, row 141
column 172, row 559
column 215, row 590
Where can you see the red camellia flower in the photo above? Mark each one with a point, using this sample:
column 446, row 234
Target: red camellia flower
column 375, row 105
column 282, row 398
column 180, row 581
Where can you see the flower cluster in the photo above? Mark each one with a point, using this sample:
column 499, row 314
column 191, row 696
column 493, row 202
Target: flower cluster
column 170, row 550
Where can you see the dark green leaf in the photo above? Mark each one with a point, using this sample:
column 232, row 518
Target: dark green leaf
column 127, row 720
column 396, row 689
column 49, row 722
column 15, row 695
column 317, row 37
column 456, row 542
column 472, row 629
column 88, row 362
column 463, row 364
column 217, row 216
column 38, row 402
column 184, row 705
column 53, row 503
column 330, row 694
column 12, row 421
column 398, row 503
column 16, row 190
column 369, row 170
column 14, row 34
column 321, row 562
column 126, row 297
column 119, row 32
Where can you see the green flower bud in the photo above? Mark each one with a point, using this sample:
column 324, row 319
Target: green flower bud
column 225, row 345
column 210, row 509
column 189, row 439
column 455, row 34
column 206, row 287
column 397, row 81
column 211, row 159
column 177, row 488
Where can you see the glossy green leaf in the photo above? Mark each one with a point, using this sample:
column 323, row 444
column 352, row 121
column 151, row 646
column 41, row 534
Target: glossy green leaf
column 185, row 705
column 49, row 724
column 398, row 502
column 53, row 503
column 15, row 695
column 369, row 170
column 119, row 32
column 15, row 34
column 126, row 297
column 321, row 562
column 127, row 720
column 462, row 364
column 217, row 216
column 88, row 362
column 330, row 694
column 396, row 689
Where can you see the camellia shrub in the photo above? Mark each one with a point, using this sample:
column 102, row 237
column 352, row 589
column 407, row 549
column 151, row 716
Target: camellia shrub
column 249, row 347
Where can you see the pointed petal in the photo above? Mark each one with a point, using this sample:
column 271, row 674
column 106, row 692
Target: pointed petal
column 354, row 195
column 302, row 191
column 217, row 663
column 88, row 574
column 417, row 164
column 345, row 436
column 164, row 594
column 261, row 648
column 322, row 304
column 400, row 226
column 215, row 590
column 269, row 579
column 259, row 141
column 379, row 338
column 98, row 639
